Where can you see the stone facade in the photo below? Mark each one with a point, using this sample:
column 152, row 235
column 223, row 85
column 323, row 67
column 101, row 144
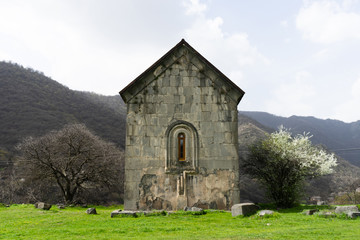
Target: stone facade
column 181, row 135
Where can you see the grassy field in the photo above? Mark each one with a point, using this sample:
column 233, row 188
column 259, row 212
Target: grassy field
column 26, row 222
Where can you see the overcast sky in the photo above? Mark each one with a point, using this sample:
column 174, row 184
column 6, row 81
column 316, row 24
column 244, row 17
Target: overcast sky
column 290, row 57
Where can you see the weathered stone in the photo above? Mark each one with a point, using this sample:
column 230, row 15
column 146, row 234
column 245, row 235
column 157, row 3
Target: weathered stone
column 186, row 208
column 91, row 211
column 119, row 213
column 158, row 204
column 196, row 209
column 244, row 209
column 43, row 206
column 202, row 205
column 265, row 212
column 178, row 95
column 115, row 212
column 353, row 214
column 346, row 209
column 310, row 211
column 60, row 206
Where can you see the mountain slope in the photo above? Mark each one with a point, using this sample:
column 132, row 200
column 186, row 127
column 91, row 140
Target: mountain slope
column 32, row 104
column 342, row 138
column 251, row 131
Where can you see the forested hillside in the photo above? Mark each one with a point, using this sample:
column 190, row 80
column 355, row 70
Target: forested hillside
column 251, row 131
column 342, row 138
column 32, row 104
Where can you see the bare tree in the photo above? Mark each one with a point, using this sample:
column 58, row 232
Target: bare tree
column 352, row 193
column 349, row 183
column 74, row 158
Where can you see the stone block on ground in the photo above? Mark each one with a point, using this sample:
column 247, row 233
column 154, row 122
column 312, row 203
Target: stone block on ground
column 60, row 206
column 115, row 212
column 195, row 210
column 120, row 213
column 353, row 214
column 346, row 209
column 91, row 211
column 244, row 209
column 310, row 211
column 262, row 213
column 187, row 208
column 42, row 205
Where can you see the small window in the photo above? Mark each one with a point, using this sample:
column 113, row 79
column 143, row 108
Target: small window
column 182, row 151
column 181, row 147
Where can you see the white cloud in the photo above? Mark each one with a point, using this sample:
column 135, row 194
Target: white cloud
column 4, row 56
column 322, row 54
column 101, row 47
column 347, row 4
column 355, row 90
column 68, row 50
column 284, row 23
column 194, row 6
column 328, row 21
column 58, row 39
column 230, row 52
column 287, row 40
column 293, row 98
column 348, row 110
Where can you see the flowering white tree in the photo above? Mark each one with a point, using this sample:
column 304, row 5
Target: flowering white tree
column 282, row 162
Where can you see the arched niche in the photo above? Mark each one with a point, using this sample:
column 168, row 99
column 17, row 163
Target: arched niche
column 182, row 148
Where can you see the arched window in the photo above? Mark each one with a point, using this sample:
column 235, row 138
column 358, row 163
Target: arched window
column 181, row 147
column 182, row 150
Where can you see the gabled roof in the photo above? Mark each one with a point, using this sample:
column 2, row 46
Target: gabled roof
column 182, row 43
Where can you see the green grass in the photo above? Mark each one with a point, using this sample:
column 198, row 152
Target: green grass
column 26, row 222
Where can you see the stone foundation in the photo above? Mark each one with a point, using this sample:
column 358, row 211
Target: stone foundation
column 215, row 190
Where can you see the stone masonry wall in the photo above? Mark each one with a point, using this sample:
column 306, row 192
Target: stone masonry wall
column 185, row 89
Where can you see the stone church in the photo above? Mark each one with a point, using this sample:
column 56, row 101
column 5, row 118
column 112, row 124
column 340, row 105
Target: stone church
column 181, row 135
